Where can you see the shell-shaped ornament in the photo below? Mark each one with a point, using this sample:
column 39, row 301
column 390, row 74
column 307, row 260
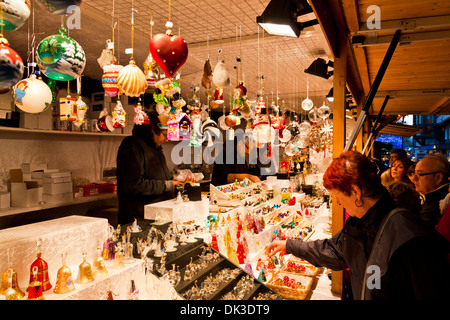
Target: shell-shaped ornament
column 131, row 80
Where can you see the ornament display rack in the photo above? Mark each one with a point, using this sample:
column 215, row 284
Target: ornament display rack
column 74, row 235
column 191, row 253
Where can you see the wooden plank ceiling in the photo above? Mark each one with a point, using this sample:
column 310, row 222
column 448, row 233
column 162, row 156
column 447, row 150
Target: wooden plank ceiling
column 417, row 78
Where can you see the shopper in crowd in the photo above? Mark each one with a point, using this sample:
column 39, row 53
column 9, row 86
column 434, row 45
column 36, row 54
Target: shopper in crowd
column 386, row 176
column 384, row 263
column 239, row 167
column 142, row 173
column 405, row 196
column 431, row 181
column 399, row 170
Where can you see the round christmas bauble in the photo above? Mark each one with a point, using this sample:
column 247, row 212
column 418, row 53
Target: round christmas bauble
column 324, row 111
column 32, row 95
column 313, row 115
column 60, row 57
column 169, row 51
column 15, row 13
column 11, row 65
column 59, row 7
column 307, row 104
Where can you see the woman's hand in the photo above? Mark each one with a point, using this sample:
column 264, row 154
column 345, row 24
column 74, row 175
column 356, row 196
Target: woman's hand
column 190, row 177
column 275, row 246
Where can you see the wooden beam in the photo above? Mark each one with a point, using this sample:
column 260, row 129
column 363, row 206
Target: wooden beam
column 339, row 135
column 443, row 103
column 408, row 24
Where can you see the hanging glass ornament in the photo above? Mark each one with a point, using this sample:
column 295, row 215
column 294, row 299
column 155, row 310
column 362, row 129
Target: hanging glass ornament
column 285, row 135
column 61, row 57
column 151, row 71
column 81, row 112
column 131, row 80
column 11, row 67
column 313, row 115
column 139, row 115
column 305, row 128
column 324, row 111
column 119, row 116
column 169, row 51
column 58, row 7
column 307, row 104
column 15, row 13
column 107, row 56
column 109, row 79
column 32, row 95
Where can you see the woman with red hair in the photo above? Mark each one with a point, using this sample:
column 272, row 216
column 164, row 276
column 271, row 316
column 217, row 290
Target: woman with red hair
column 388, row 251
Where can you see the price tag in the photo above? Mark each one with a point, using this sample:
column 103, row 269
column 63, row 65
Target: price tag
column 129, row 51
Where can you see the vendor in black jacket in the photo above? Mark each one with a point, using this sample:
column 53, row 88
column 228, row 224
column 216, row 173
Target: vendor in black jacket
column 142, row 173
column 408, row 260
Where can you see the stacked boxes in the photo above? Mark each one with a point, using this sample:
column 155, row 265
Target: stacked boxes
column 57, row 187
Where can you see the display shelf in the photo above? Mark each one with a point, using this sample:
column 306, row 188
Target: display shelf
column 78, row 200
column 61, row 132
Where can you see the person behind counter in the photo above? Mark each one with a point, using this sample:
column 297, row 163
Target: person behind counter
column 401, row 259
column 239, row 168
column 142, row 173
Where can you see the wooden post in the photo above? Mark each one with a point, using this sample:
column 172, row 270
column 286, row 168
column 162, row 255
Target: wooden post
column 339, row 134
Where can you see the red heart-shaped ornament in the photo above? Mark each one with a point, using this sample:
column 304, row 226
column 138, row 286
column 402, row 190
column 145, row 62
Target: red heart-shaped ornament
column 170, row 52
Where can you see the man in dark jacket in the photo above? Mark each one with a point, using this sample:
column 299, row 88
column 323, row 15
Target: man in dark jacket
column 142, row 173
column 431, row 181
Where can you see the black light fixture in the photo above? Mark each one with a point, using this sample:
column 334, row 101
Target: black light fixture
column 280, row 17
column 320, row 68
column 330, row 95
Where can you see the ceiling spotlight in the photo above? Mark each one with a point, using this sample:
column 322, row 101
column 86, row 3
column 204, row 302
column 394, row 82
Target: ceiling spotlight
column 320, row 68
column 280, row 17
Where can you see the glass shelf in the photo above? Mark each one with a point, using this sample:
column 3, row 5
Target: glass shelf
column 79, row 133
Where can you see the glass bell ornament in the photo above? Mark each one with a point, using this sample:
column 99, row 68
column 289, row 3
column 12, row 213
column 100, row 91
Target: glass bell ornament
column 58, row 7
column 99, row 268
column 64, row 282
column 11, row 68
column 109, row 79
column 32, row 95
column 15, row 13
column 119, row 116
column 61, row 57
column 85, row 271
column 324, row 111
column 9, row 283
column 42, row 270
column 11, row 292
column 35, row 287
column 131, row 80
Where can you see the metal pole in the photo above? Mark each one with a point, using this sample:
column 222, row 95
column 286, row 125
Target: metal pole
column 373, row 90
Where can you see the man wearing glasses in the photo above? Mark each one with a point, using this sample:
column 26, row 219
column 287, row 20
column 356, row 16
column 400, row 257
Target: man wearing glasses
column 430, row 179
